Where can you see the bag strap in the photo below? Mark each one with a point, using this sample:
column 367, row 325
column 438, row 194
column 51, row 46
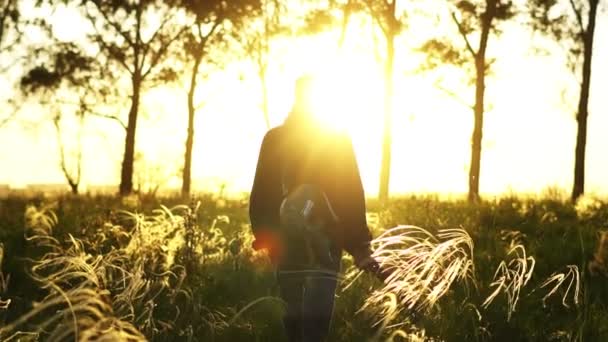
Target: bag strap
column 333, row 214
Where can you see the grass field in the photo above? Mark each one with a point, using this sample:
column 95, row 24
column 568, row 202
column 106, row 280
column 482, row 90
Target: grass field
column 102, row 268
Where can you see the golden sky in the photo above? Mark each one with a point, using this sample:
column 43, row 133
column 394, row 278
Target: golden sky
column 529, row 131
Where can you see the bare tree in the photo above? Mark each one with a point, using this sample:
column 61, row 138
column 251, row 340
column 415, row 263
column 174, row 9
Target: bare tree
column 12, row 113
column 10, row 29
column 135, row 37
column 214, row 21
column 572, row 24
column 385, row 16
column 63, row 68
column 384, row 13
column 71, row 174
column 257, row 40
column 479, row 19
column 10, row 35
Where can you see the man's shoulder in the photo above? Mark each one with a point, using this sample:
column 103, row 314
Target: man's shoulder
column 274, row 133
column 272, row 138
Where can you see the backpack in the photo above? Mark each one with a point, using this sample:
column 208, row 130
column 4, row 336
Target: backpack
column 305, row 218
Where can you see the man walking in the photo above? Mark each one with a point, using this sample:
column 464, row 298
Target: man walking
column 307, row 205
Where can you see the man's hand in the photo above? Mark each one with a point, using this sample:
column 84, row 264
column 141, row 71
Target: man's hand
column 270, row 242
column 365, row 262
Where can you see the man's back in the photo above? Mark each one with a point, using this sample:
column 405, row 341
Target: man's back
column 294, row 154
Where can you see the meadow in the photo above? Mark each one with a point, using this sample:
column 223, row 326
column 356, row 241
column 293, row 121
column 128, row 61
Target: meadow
column 163, row 269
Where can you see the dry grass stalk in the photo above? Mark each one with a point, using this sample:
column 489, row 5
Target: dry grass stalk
column 510, row 277
column 423, row 267
column 572, row 278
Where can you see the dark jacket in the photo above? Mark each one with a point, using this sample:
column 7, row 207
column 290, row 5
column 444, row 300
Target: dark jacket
column 296, row 153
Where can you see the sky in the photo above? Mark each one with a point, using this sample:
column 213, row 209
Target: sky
column 529, row 131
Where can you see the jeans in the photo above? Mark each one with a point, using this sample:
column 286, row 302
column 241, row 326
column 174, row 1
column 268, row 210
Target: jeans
column 309, row 295
column 308, row 268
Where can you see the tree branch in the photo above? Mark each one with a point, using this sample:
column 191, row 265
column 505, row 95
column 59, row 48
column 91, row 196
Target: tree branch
column 139, row 64
column 113, row 24
column 453, row 95
column 464, row 35
column 105, row 45
column 7, row 119
column 161, row 51
column 155, row 34
column 579, row 19
column 376, row 18
column 87, row 109
column 204, row 38
column 2, row 19
column 12, row 115
column 13, row 62
column 346, row 12
column 108, row 116
column 5, row 21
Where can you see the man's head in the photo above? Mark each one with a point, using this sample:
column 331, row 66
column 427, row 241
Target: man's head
column 304, row 95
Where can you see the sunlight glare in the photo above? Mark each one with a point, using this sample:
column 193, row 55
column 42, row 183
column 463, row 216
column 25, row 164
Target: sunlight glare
column 347, row 97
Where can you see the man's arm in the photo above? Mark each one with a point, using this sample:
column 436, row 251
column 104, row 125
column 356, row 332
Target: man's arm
column 265, row 193
column 350, row 208
column 349, row 202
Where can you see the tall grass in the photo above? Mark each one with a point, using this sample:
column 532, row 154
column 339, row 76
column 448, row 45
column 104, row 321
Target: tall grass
column 431, row 272
column 111, row 296
column 78, row 302
column 4, row 281
column 422, row 266
column 178, row 273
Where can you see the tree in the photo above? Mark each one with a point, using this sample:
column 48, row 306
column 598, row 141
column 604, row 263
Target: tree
column 64, row 69
column 10, row 29
column 384, row 13
column 72, row 176
column 10, row 35
column 213, row 21
column 572, row 24
column 135, row 37
column 473, row 19
column 257, row 45
column 385, row 16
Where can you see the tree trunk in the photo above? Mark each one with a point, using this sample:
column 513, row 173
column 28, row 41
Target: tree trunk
column 264, row 52
column 346, row 13
column 187, row 172
column 480, row 88
column 73, row 182
column 74, row 188
column 583, row 106
column 477, row 136
column 385, row 170
column 264, row 85
column 126, row 177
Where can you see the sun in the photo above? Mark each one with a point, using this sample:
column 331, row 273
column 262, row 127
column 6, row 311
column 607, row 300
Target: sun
column 347, row 97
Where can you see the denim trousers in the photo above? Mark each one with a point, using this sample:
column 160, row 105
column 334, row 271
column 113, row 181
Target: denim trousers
column 309, row 295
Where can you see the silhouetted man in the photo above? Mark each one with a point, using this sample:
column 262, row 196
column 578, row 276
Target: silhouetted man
column 307, row 205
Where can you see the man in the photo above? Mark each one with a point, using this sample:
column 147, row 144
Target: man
column 307, row 204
